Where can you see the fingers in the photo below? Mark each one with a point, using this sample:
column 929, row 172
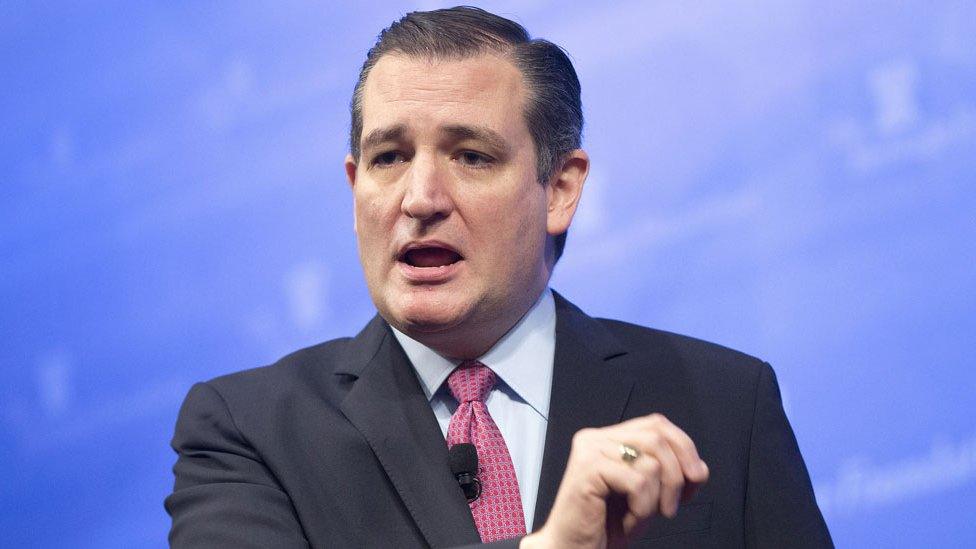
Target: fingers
column 633, row 494
column 692, row 466
column 694, row 469
column 638, row 482
column 668, row 471
column 604, row 500
column 682, row 471
column 659, row 486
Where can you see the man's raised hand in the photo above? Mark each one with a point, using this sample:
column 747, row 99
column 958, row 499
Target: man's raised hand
column 606, row 500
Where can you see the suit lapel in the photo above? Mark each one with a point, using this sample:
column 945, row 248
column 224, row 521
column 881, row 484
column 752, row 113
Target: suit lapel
column 587, row 391
column 387, row 405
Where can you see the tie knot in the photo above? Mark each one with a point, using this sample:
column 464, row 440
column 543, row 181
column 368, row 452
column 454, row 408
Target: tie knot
column 471, row 381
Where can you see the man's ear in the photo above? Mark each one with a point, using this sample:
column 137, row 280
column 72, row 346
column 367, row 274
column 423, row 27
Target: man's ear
column 350, row 165
column 351, row 170
column 564, row 191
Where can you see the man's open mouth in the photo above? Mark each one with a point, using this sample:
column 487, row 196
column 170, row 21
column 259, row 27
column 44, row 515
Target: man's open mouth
column 429, row 255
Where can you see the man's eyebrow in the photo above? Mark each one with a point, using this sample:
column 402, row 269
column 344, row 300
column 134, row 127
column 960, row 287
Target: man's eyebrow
column 382, row 135
column 477, row 133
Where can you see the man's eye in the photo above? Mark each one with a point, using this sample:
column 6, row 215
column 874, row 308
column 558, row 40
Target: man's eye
column 474, row 159
column 387, row 159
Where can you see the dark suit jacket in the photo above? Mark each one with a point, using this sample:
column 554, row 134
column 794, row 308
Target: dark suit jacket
column 336, row 445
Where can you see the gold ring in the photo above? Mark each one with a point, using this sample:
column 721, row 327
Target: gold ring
column 628, row 453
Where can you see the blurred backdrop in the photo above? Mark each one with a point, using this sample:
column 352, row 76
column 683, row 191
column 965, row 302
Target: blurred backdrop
column 792, row 179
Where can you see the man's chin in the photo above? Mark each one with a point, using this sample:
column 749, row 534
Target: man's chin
column 454, row 328
column 428, row 324
column 429, row 317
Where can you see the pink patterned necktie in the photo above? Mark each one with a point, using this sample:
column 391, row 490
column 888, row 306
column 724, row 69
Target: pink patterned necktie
column 498, row 512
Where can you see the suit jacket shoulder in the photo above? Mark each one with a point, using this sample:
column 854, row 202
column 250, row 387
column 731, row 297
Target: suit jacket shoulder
column 702, row 360
column 299, row 372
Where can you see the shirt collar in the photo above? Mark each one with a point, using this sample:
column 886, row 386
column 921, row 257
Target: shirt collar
column 522, row 358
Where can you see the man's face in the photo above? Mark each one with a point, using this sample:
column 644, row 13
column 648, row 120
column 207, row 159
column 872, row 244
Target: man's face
column 451, row 220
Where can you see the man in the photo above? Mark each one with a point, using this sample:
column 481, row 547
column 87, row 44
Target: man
column 466, row 172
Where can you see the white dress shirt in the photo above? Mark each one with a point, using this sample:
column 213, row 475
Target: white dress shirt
column 522, row 361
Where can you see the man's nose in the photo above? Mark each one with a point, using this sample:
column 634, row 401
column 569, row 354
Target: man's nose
column 427, row 194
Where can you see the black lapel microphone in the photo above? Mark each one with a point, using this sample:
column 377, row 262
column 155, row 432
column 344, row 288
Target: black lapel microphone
column 464, row 466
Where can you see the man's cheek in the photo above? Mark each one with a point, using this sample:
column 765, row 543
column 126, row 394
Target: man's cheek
column 370, row 218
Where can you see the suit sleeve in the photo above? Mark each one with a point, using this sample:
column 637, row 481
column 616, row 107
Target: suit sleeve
column 224, row 495
column 781, row 510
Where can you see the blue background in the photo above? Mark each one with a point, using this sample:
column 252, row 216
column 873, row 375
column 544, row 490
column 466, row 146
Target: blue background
column 792, row 179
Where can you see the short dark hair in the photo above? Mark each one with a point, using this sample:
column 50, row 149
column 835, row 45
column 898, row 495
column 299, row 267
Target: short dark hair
column 553, row 110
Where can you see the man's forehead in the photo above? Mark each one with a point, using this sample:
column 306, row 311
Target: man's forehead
column 481, row 83
column 400, row 64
